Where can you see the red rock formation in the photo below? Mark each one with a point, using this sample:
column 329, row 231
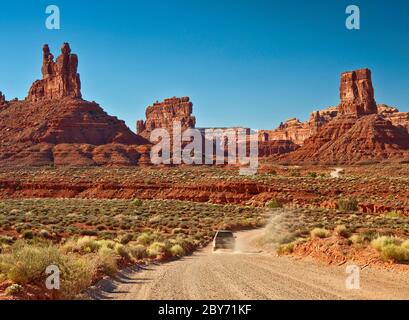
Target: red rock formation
column 296, row 131
column 357, row 93
column 164, row 114
column 393, row 115
column 2, row 99
column 358, row 133
column 275, row 147
column 352, row 139
column 60, row 78
column 54, row 126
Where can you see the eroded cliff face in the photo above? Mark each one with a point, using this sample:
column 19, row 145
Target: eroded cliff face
column 162, row 115
column 357, row 93
column 296, row 131
column 397, row 118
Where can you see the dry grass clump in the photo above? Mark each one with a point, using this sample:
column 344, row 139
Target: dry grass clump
column 342, row 231
column 392, row 248
column 25, row 263
column 320, row 233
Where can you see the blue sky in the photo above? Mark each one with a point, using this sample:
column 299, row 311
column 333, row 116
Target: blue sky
column 252, row 63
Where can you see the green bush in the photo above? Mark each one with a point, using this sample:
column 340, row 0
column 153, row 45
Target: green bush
column 348, row 204
column 288, row 248
column 146, row 238
column 177, row 250
column 384, row 241
column 285, row 249
column 137, row 202
column 395, row 253
column 274, row 204
column 28, row 234
column 156, row 249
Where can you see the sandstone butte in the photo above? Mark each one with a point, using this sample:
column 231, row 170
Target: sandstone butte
column 55, row 126
column 361, row 131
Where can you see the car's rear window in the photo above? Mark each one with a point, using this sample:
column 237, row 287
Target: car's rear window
column 225, row 234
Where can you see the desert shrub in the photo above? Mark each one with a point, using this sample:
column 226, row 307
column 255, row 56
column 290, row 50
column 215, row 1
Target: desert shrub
column 13, row 289
column 110, row 244
column 288, row 248
column 138, row 252
column 137, row 202
column 87, row 245
column 356, row 239
column 107, row 261
column 28, row 234
column 156, row 249
column 312, row 174
column 395, row 253
column 77, row 274
column 348, row 204
column 90, row 233
column 126, row 238
column 44, row 234
column 177, row 250
column 274, row 204
column 341, row 231
column 27, row 263
column 393, row 214
column 384, row 241
column 122, row 251
column 146, row 238
column 320, row 233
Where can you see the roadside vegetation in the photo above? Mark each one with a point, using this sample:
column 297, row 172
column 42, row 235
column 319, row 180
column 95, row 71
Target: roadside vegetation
column 388, row 233
column 88, row 239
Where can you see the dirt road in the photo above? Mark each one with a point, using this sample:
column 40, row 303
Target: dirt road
column 250, row 274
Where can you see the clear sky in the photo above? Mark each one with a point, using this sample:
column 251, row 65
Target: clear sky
column 252, row 63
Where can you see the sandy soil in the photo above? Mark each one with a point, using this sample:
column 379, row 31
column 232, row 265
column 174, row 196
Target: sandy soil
column 249, row 273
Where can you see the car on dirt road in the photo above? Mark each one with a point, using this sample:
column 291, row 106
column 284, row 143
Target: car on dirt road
column 224, row 239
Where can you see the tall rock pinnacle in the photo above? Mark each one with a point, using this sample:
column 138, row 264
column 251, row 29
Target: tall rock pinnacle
column 60, row 78
column 357, row 93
